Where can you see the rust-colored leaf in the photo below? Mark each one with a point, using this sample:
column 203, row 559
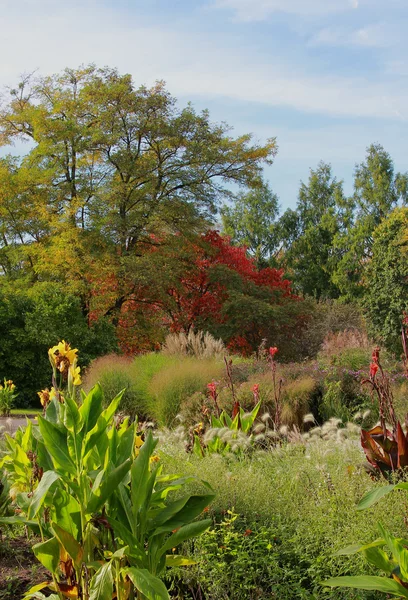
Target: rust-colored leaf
column 402, row 447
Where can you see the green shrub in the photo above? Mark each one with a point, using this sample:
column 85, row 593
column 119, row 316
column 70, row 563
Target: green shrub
column 296, row 400
column 112, row 372
column 116, row 373
column 171, row 386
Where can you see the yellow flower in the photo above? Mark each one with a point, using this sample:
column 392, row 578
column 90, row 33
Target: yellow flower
column 154, row 459
column 62, row 356
column 138, row 444
column 44, row 397
column 74, row 372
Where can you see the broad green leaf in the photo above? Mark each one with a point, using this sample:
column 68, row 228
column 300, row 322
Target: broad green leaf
column 140, row 474
column 185, row 533
column 122, row 532
column 38, row 497
column 91, row 409
column 72, row 417
column 69, row 543
column 66, row 511
column 354, row 548
column 174, row 560
column 101, row 587
column 373, row 496
column 378, row 558
column 56, row 444
column 248, row 421
column 367, row 582
column 92, row 437
column 179, row 513
column 48, row 553
column 125, row 446
column 109, row 483
column 147, row 584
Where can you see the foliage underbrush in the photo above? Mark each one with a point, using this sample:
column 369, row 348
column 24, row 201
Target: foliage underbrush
column 278, row 519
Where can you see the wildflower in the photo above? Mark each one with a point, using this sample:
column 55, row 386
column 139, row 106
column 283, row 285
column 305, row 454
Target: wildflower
column 212, row 388
column 62, row 356
column 375, row 357
column 138, row 444
column 373, row 369
column 44, row 396
column 273, row 351
column 199, row 428
column 74, row 373
column 255, row 391
column 247, row 532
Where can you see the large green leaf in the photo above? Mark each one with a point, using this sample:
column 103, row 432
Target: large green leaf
column 101, row 587
column 48, row 553
column 92, row 437
column 70, row 544
column 109, row 483
column 72, row 417
column 373, row 496
column 91, row 409
column 125, row 446
column 140, row 474
column 185, row 533
column 378, row 558
column 180, row 512
column 175, row 560
column 38, row 497
column 56, row 443
column 129, row 539
column 367, row 582
column 66, row 511
column 147, row 584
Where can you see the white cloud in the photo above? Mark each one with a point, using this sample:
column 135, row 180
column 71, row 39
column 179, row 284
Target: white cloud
column 377, row 35
column 205, row 66
column 258, row 10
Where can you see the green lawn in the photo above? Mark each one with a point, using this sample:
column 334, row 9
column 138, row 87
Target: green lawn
column 25, row 411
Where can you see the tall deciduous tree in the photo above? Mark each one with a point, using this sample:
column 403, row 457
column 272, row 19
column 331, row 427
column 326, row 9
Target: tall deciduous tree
column 308, row 232
column 377, row 191
column 250, row 220
column 386, row 279
column 119, row 162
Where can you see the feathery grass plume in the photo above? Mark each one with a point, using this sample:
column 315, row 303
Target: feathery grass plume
column 198, row 344
column 259, row 428
column 366, row 414
column 266, row 417
column 283, row 430
column 358, row 416
column 309, row 418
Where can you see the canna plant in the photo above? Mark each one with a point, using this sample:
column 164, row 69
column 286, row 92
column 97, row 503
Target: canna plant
column 93, row 489
column 386, row 444
column 7, row 396
column 387, row 453
column 227, row 433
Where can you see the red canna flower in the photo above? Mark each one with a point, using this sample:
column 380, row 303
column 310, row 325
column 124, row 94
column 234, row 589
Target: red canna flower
column 375, row 357
column 373, row 369
column 272, row 351
column 212, row 388
column 255, row 391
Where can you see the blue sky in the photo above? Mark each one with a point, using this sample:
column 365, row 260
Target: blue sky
column 326, row 77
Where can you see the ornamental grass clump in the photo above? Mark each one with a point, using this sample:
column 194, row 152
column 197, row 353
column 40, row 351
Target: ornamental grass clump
column 91, row 486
